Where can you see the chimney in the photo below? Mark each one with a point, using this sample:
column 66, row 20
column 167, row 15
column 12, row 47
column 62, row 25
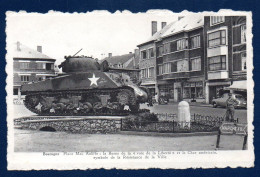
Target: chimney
column 109, row 55
column 180, row 17
column 39, row 49
column 154, row 27
column 18, row 45
column 163, row 24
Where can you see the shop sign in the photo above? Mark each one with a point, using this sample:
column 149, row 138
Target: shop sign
column 192, row 84
column 186, row 84
column 199, row 84
column 233, row 128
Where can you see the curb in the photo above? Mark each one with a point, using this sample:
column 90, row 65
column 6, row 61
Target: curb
column 167, row 134
column 201, row 105
column 191, row 104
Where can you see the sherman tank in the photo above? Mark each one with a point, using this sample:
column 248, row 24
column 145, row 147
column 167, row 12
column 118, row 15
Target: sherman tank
column 86, row 88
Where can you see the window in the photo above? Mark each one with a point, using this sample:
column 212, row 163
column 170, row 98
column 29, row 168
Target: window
column 182, row 44
column 217, row 38
column 193, row 90
column 151, row 72
column 217, row 63
column 160, row 51
column 15, row 91
column 41, row 65
column 195, row 42
column 167, row 90
column 147, row 72
column 167, row 67
column 196, row 64
column 166, row 48
column 160, row 69
column 49, row 66
column 143, row 54
column 243, row 61
column 151, row 53
column 25, row 78
column 243, row 33
column 172, row 48
column 177, row 66
column 216, row 19
column 24, row 65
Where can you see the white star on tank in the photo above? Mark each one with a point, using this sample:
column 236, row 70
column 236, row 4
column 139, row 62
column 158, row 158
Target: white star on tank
column 93, row 80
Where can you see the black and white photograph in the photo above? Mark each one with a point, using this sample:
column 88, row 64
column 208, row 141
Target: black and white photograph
column 129, row 90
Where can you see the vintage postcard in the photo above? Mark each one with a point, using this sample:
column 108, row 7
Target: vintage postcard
column 129, row 90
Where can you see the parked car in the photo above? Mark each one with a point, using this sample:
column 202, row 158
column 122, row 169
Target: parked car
column 242, row 103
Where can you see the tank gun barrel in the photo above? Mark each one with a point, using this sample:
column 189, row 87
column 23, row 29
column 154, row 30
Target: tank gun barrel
column 77, row 52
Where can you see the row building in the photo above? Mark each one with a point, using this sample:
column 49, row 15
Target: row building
column 30, row 65
column 195, row 58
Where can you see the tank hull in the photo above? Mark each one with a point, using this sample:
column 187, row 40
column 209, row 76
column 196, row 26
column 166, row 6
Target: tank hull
column 84, row 93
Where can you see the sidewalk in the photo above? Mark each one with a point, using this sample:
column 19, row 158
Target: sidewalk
column 190, row 103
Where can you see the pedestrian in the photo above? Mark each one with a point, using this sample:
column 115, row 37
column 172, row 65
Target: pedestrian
column 230, row 104
column 156, row 97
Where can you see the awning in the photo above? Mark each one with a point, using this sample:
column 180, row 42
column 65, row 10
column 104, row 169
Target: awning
column 238, row 85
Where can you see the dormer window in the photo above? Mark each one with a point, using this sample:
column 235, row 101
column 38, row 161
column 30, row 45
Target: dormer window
column 216, row 20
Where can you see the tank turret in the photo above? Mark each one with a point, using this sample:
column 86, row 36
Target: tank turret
column 79, row 64
column 87, row 88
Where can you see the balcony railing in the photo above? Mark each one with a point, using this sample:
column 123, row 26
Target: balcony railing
column 176, row 75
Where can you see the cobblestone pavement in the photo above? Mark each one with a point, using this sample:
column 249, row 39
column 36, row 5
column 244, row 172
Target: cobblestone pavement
column 39, row 141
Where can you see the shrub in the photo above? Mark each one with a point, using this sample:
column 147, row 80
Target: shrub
column 139, row 120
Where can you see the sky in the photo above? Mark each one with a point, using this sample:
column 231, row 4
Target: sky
column 98, row 33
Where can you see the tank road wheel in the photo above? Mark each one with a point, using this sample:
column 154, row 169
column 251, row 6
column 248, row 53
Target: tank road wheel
column 115, row 107
column 85, row 107
column 33, row 101
column 58, row 107
column 70, row 109
column 134, row 108
column 97, row 107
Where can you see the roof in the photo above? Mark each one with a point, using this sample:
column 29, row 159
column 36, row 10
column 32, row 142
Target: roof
column 158, row 34
column 130, row 64
column 26, row 52
column 119, row 59
column 186, row 23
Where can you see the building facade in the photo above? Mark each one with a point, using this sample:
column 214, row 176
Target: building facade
column 30, row 66
column 225, row 41
column 128, row 62
column 180, row 61
column 147, row 62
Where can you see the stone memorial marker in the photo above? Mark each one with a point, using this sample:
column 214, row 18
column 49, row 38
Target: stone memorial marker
column 184, row 115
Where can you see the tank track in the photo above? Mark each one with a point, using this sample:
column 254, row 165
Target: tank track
column 132, row 101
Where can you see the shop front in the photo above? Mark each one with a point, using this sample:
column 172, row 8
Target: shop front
column 193, row 91
column 150, row 87
column 166, row 91
column 215, row 90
